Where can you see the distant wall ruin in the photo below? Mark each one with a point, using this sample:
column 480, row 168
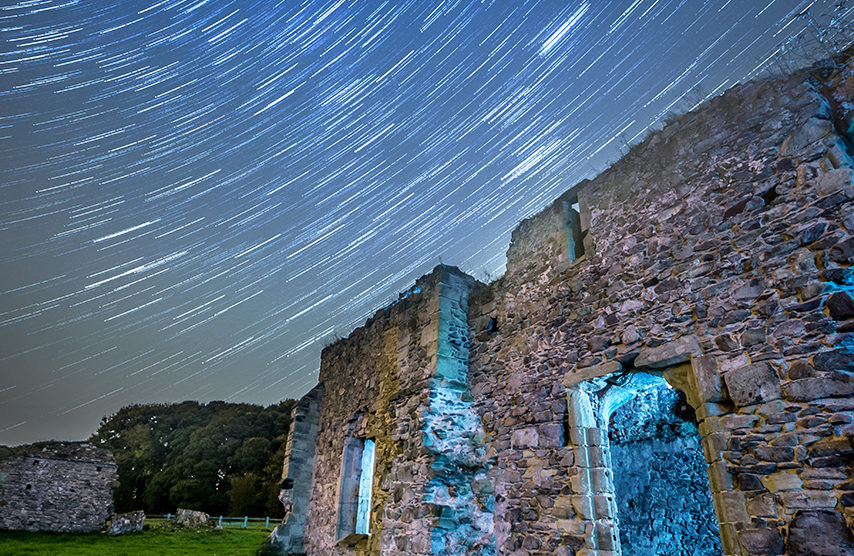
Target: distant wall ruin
column 56, row 486
column 716, row 257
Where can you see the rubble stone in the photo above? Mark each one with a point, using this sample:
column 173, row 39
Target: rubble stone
column 131, row 522
column 753, row 384
column 191, row 519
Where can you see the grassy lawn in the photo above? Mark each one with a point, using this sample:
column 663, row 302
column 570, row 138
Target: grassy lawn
column 152, row 542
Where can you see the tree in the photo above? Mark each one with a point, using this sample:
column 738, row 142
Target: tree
column 212, row 457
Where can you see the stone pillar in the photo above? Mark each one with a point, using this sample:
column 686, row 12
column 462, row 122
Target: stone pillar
column 297, row 473
column 593, row 486
column 459, row 495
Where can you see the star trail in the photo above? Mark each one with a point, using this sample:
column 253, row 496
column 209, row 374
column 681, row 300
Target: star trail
column 197, row 195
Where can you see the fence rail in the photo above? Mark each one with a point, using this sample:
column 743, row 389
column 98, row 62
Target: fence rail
column 244, row 522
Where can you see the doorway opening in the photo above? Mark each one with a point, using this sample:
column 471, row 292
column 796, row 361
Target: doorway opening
column 664, row 503
column 661, row 501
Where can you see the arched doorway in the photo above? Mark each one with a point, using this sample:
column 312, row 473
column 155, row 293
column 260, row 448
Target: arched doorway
column 643, row 469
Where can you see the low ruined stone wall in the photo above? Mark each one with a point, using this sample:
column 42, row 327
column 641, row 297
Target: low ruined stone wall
column 723, row 242
column 56, row 486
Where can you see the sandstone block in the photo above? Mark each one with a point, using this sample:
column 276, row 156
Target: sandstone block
column 709, row 384
column 753, row 384
column 733, row 507
column 595, row 371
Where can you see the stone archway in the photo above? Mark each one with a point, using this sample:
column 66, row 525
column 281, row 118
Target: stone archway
column 593, row 393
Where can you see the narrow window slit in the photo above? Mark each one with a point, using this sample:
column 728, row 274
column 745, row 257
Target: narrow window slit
column 575, row 235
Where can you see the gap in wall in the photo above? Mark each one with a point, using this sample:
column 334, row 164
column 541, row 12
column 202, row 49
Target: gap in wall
column 664, row 503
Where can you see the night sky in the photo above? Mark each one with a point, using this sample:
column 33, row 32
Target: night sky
column 197, row 195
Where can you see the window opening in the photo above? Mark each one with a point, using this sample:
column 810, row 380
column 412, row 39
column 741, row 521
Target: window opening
column 574, row 234
column 357, row 477
column 363, row 517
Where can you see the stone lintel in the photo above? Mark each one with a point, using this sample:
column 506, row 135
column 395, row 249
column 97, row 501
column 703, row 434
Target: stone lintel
column 669, row 354
column 586, row 373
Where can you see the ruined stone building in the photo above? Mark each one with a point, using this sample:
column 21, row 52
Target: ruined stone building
column 56, row 486
column 666, row 367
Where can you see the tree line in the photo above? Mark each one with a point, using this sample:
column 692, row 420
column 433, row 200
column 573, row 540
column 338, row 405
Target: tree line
column 221, row 458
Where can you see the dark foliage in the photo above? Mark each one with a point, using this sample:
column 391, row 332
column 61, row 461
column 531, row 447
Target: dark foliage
column 221, row 458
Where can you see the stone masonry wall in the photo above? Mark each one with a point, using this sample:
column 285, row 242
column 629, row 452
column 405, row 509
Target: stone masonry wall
column 297, row 473
column 378, row 384
column 725, row 241
column 57, row 486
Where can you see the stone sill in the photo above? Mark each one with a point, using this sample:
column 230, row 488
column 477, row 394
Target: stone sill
column 352, row 540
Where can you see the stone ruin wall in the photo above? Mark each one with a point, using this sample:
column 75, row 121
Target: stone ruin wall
column 724, row 241
column 379, row 384
column 718, row 256
column 295, row 487
column 57, row 486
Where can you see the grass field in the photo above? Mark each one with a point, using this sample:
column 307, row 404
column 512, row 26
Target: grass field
column 153, row 542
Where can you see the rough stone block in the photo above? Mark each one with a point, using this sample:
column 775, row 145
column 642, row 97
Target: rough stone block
column 551, row 435
column 191, row 519
column 525, row 438
column 834, row 360
column 709, row 384
column 815, row 532
column 834, row 180
column 840, row 306
column 761, row 541
column 753, row 384
column 809, row 389
column 812, row 131
column 669, row 354
column 763, row 505
column 130, row 522
column 808, row 500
